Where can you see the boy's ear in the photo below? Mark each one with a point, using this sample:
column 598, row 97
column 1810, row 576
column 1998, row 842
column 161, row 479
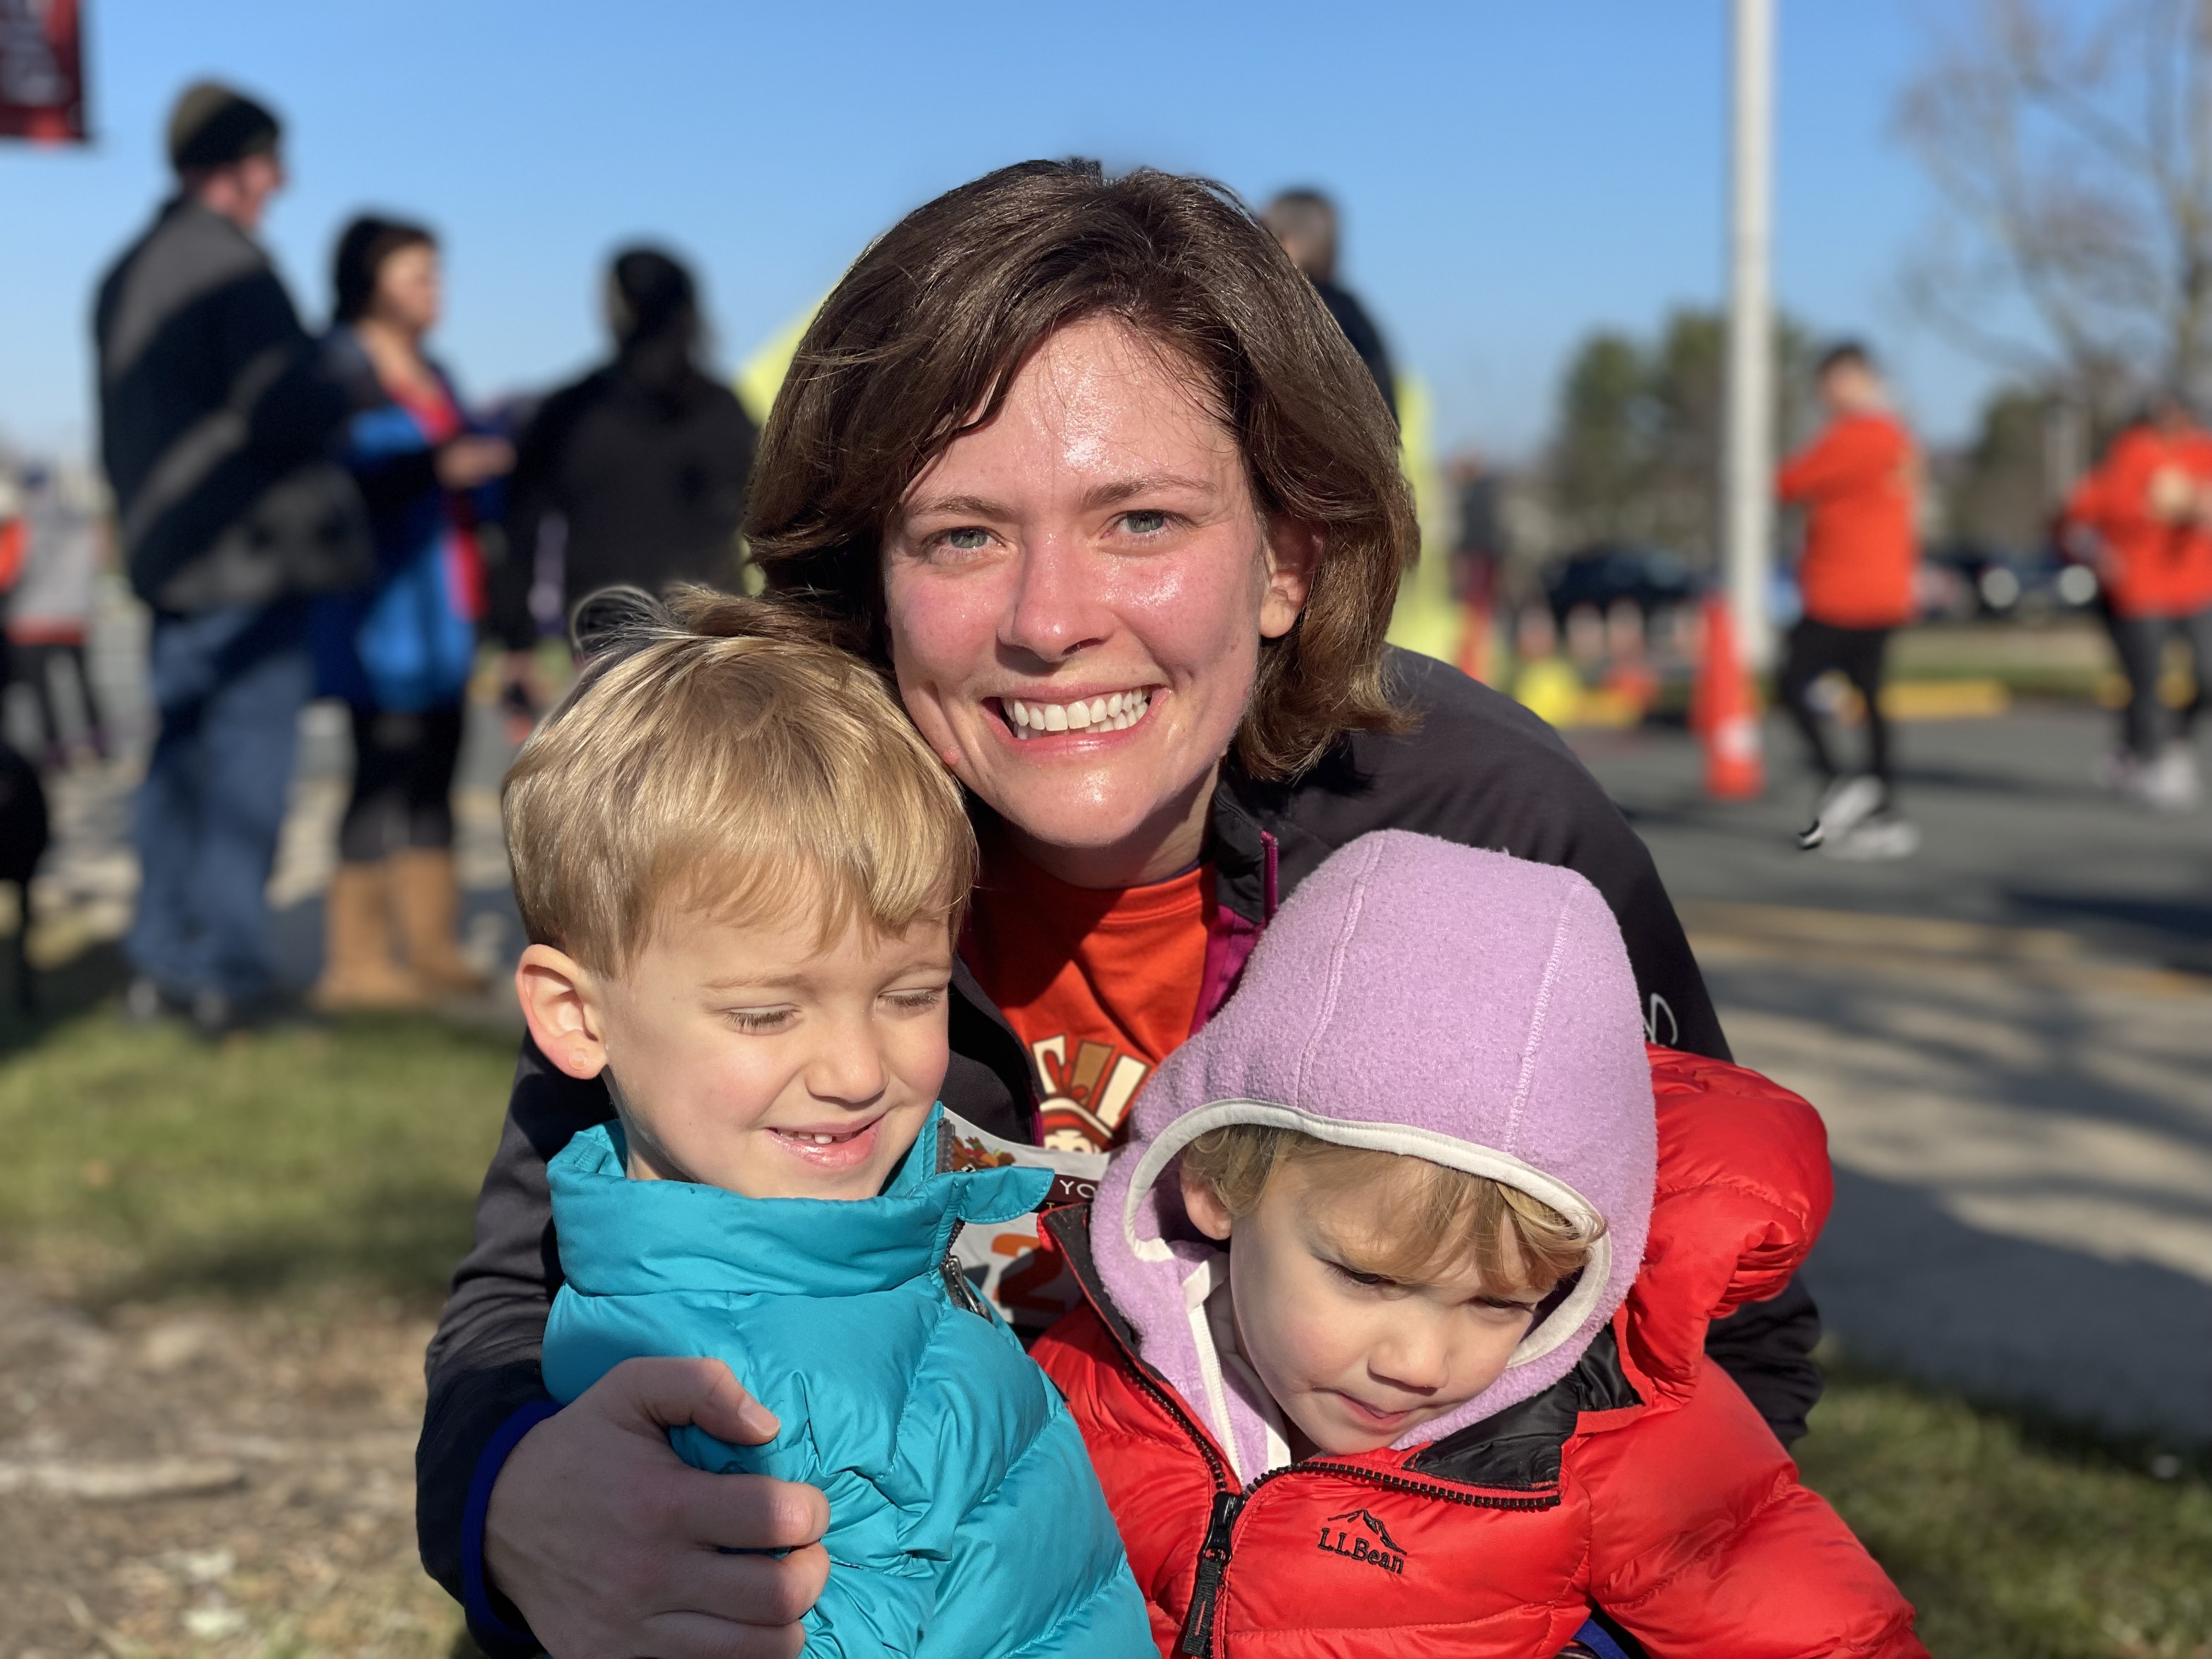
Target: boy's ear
column 559, row 1003
column 1205, row 1208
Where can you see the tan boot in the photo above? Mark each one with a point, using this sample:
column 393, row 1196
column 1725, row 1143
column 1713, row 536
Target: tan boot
column 429, row 900
column 358, row 968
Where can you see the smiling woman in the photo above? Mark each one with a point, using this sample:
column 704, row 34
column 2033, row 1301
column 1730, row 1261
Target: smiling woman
column 1085, row 467
column 1095, row 549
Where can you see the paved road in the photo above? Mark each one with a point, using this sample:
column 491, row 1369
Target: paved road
column 2011, row 1038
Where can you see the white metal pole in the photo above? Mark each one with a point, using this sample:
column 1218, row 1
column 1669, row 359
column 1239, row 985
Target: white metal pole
column 1748, row 464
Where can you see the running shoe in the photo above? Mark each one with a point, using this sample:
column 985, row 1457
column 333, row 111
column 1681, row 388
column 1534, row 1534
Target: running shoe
column 1876, row 839
column 2169, row 783
column 1846, row 804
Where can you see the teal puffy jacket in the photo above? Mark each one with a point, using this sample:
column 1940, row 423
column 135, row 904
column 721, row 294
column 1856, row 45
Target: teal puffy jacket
column 964, row 1518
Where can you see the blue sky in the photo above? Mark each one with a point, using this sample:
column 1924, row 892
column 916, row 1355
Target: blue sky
column 1512, row 175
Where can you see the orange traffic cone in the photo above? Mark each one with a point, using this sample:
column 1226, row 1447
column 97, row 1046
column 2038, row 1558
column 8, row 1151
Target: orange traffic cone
column 1724, row 712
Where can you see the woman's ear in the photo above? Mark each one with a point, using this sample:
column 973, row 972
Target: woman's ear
column 559, row 1004
column 1205, row 1208
column 1294, row 554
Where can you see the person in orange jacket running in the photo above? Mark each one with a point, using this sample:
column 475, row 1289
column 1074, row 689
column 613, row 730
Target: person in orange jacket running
column 2149, row 509
column 1858, row 483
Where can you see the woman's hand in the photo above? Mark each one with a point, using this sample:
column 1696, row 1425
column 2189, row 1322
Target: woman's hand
column 605, row 1541
column 465, row 462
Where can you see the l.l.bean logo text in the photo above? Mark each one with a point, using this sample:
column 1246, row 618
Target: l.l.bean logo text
column 1366, row 1538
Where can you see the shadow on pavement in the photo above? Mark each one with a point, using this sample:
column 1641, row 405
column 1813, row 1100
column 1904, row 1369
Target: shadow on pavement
column 1993, row 781
column 2124, row 1346
column 1947, row 1057
column 2185, row 920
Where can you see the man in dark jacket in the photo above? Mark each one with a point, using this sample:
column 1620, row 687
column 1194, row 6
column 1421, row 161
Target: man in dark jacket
column 641, row 464
column 1305, row 222
column 213, row 413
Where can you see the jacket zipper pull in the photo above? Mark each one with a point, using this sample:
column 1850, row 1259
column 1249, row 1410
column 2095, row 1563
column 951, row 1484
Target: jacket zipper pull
column 1212, row 1566
column 955, row 1282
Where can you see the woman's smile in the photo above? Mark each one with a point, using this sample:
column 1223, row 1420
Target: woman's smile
column 1094, row 715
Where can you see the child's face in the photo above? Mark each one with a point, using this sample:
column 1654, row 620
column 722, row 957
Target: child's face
column 1354, row 1361
column 749, row 1057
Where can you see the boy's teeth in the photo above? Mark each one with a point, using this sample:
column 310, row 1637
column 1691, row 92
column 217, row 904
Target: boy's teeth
column 1115, row 712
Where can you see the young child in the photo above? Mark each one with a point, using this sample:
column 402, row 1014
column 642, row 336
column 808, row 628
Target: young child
column 742, row 871
column 1389, row 1348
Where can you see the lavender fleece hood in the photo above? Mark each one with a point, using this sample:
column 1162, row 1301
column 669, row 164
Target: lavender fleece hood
column 1418, row 997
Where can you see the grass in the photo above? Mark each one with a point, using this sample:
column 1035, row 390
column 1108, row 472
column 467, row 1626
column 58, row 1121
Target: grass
column 2017, row 1539
column 142, row 1163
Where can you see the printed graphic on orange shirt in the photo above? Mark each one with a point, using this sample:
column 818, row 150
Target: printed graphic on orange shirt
column 1087, row 1100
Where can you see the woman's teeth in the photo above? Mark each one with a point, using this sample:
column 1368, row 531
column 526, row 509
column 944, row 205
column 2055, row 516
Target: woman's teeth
column 1114, row 712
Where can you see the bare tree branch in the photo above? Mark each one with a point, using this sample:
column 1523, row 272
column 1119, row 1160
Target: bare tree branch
column 2075, row 146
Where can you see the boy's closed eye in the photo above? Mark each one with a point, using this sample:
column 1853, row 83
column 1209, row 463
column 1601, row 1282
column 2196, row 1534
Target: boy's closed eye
column 770, row 1020
column 760, row 1021
column 919, row 1000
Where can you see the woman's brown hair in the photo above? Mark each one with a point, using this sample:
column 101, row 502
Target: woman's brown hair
column 920, row 342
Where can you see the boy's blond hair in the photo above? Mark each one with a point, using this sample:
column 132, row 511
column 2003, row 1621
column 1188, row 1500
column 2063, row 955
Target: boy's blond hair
column 1438, row 1217
column 717, row 758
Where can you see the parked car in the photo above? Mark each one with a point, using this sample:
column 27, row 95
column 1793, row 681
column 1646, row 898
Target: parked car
column 1964, row 582
column 1656, row 577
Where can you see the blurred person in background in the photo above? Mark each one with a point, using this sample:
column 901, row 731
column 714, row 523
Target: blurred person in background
column 634, row 474
column 217, row 418
column 400, row 651
column 49, row 607
column 13, row 530
column 2149, row 506
column 1305, row 222
column 1858, row 483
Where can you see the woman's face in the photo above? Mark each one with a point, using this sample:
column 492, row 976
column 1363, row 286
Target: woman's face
column 407, row 288
column 1077, row 595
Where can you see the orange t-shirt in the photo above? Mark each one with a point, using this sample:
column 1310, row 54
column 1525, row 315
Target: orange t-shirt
column 1101, row 985
column 1858, row 483
column 2154, row 562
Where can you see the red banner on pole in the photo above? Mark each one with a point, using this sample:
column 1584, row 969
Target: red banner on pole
column 42, row 71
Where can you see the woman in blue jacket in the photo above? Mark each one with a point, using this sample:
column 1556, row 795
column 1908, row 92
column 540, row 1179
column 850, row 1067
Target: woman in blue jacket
column 400, row 651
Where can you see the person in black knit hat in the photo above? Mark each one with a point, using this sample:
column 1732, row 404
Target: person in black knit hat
column 216, row 415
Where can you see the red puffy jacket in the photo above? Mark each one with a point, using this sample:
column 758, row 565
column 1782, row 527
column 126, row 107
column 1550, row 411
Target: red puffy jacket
column 1641, row 1483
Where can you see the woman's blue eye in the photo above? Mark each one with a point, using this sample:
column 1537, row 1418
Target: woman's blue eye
column 1144, row 523
column 970, row 540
